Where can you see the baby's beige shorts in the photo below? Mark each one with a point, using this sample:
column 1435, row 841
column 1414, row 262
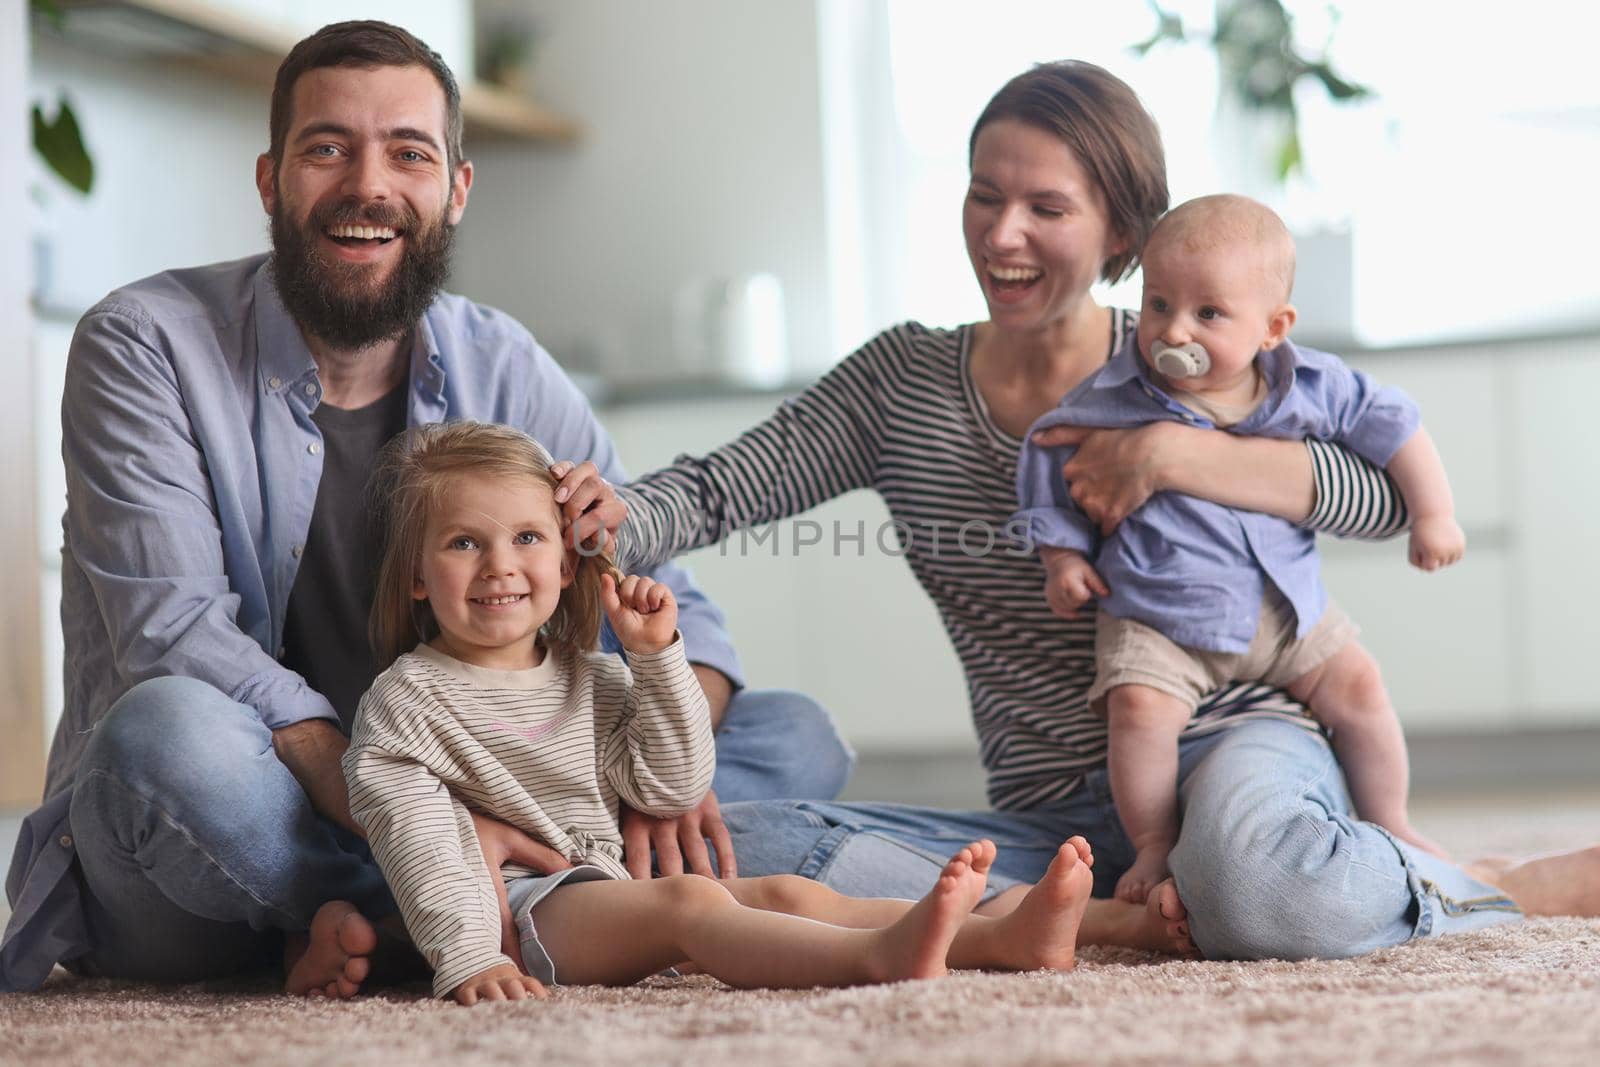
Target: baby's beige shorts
column 1131, row 653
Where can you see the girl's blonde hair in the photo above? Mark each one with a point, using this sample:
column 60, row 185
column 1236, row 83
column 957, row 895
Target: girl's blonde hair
column 414, row 473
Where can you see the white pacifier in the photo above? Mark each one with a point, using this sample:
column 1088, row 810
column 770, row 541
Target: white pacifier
column 1181, row 361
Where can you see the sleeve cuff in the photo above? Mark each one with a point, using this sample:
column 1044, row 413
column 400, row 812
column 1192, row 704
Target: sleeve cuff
column 1049, row 526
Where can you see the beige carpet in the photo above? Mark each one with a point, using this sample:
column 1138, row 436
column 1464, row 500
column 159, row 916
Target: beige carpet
column 1527, row 993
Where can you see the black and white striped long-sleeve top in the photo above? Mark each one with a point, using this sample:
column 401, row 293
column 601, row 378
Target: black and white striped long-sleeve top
column 903, row 416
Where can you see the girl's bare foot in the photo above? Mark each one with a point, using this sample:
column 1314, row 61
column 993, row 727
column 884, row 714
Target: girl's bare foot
column 916, row 945
column 332, row 959
column 1562, row 883
column 1042, row 931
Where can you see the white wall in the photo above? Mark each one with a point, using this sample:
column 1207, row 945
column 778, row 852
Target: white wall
column 701, row 157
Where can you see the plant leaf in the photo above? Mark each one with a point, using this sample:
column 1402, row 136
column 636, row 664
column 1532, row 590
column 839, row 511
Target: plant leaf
column 1289, row 159
column 50, row 10
column 60, row 145
column 1337, row 87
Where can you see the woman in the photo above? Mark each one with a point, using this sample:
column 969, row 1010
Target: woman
column 1067, row 180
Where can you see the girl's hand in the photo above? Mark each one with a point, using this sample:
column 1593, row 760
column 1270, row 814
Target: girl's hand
column 589, row 504
column 500, row 982
column 642, row 612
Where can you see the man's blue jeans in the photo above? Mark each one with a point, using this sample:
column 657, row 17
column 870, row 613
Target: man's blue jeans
column 197, row 847
column 1269, row 861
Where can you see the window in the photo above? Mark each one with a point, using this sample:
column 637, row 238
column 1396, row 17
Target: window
column 1454, row 204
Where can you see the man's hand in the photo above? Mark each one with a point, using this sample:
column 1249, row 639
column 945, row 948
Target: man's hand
column 718, row 688
column 589, row 504
column 1113, row 472
column 311, row 749
column 502, row 844
column 678, row 840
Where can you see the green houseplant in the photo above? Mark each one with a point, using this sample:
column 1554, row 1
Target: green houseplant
column 1260, row 65
column 59, row 141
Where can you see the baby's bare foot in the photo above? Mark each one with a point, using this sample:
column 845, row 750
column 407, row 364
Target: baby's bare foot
column 1042, row 932
column 1562, row 883
column 332, row 959
column 1148, row 870
column 916, row 945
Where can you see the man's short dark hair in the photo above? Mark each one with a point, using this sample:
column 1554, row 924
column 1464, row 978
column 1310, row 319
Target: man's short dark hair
column 368, row 44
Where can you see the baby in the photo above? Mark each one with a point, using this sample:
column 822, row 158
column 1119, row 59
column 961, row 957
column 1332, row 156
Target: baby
column 1193, row 595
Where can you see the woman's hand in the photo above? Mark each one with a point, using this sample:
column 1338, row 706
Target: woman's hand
column 589, row 504
column 642, row 612
column 502, row 982
column 1113, row 472
column 502, row 844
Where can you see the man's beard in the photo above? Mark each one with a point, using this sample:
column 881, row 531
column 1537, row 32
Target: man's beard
column 339, row 302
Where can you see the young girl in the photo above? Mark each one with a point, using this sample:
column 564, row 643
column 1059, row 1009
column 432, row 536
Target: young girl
column 505, row 708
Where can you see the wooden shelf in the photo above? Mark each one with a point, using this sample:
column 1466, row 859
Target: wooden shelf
column 230, row 45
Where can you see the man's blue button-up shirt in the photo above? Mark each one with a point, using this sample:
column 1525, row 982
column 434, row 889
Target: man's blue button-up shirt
column 192, row 465
column 1194, row 570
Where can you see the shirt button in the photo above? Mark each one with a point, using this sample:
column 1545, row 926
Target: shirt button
column 297, row 551
column 313, row 448
column 65, row 841
column 311, row 390
column 274, row 382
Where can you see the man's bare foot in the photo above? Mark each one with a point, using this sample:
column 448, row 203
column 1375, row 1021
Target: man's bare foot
column 331, row 960
column 1562, row 883
column 1042, row 931
column 916, row 945
column 1148, row 870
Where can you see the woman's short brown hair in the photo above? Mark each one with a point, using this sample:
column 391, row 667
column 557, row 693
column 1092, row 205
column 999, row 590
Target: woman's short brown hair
column 1108, row 129
column 413, row 475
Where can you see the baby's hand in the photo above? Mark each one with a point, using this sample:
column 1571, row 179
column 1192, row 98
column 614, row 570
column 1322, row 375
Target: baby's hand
column 642, row 612
column 1436, row 541
column 1071, row 582
column 500, row 982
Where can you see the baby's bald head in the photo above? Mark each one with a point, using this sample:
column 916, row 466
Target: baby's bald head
column 1208, row 223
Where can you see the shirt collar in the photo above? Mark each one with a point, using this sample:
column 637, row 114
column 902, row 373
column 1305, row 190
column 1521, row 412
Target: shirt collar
column 1123, row 367
column 282, row 357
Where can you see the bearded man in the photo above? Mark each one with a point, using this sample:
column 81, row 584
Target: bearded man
column 219, row 423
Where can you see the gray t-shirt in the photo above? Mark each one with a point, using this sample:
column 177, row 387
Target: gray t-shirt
column 325, row 628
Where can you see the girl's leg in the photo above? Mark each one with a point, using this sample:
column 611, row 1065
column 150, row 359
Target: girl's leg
column 1143, row 761
column 871, row 851
column 620, row 932
column 1025, row 928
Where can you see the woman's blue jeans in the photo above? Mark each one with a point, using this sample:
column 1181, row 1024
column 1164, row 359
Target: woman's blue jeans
column 197, row 848
column 1269, row 861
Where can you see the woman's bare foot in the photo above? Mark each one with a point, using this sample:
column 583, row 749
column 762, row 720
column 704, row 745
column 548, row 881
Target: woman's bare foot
column 916, row 945
column 1562, row 883
column 332, row 959
column 1042, row 931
